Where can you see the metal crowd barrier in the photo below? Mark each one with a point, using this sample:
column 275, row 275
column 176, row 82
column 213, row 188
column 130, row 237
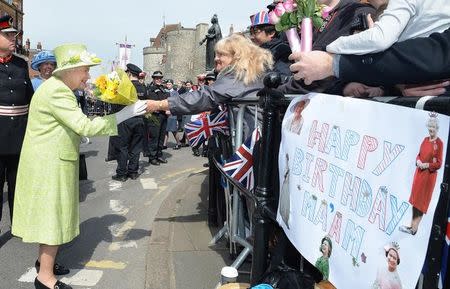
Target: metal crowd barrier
column 235, row 227
column 273, row 102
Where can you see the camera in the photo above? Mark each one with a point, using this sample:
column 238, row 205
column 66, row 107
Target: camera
column 359, row 23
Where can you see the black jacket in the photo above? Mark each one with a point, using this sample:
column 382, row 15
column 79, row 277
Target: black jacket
column 410, row 61
column 280, row 51
column 157, row 92
column 141, row 89
column 340, row 23
column 15, row 89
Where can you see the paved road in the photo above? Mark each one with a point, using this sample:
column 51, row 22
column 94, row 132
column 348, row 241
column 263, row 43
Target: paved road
column 116, row 224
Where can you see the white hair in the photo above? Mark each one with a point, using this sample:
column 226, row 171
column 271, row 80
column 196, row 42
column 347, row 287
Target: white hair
column 433, row 121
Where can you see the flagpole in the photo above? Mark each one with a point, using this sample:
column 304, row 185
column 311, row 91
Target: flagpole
column 124, row 59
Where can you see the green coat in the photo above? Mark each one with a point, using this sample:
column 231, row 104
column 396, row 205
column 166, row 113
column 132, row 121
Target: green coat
column 46, row 204
column 323, row 266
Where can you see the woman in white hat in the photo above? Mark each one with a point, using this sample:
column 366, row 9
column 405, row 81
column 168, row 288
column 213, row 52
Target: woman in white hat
column 46, row 209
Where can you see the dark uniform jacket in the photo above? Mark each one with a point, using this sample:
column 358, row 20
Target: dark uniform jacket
column 15, row 90
column 141, row 90
column 410, row 61
column 157, row 92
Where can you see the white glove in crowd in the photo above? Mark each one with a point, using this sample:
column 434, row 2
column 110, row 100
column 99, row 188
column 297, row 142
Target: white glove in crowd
column 135, row 109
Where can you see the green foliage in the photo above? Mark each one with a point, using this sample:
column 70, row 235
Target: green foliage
column 317, row 21
column 305, row 9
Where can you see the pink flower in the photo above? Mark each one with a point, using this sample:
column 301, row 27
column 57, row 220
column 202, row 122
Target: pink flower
column 279, row 9
column 289, row 6
column 326, row 11
column 273, row 18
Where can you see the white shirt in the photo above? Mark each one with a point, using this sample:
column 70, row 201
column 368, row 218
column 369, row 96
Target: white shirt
column 402, row 19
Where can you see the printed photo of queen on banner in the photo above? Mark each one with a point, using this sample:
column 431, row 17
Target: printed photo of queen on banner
column 362, row 179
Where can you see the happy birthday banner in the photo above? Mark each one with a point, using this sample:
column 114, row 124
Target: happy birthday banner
column 359, row 184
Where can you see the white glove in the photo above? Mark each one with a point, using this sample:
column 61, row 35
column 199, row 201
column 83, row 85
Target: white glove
column 135, row 109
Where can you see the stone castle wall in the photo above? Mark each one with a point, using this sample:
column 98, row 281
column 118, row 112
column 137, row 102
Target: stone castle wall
column 179, row 57
column 153, row 59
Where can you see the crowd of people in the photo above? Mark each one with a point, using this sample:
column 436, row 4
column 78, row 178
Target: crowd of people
column 363, row 49
column 150, row 134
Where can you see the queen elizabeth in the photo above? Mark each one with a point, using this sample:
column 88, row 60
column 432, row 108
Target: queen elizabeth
column 46, row 208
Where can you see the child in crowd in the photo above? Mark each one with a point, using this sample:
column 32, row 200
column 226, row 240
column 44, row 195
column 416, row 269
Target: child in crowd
column 401, row 20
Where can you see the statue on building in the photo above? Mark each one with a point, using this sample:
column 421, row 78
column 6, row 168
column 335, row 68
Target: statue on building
column 214, row 35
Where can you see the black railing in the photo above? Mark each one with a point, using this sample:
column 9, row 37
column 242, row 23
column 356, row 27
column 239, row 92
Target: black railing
column 273, row 104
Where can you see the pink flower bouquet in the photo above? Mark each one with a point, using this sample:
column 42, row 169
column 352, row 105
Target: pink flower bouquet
column 287, row 16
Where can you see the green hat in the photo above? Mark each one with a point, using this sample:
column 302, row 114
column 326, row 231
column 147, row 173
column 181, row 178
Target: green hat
column 73, row 55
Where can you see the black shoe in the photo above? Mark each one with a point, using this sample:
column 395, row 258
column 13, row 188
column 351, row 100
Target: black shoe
column 164, row 147
column 58, row 285
column 133, row 176
column 119, row 178
column 162, row 160
column 205, row 165
column 58, row 269
column 177, row 147
column 153, row 162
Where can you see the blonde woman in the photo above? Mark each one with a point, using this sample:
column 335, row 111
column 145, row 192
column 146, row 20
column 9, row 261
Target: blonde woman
column 241, row 66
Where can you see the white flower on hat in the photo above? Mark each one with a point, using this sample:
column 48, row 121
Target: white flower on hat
column 87, row 57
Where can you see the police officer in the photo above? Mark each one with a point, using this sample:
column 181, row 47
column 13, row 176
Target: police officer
column 130, row 135
column 210, row 78
column 157, row 125
column 15, row 96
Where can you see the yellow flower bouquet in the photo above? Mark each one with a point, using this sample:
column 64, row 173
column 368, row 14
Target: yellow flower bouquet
column 115, row 88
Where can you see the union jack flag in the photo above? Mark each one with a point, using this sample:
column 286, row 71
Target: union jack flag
column 240, row 165
column 201, row 129
column 445, row 258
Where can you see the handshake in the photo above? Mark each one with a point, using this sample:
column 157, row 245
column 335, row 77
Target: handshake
column 140, row 107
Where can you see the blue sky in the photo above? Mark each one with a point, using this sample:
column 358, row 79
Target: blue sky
column 100, row 24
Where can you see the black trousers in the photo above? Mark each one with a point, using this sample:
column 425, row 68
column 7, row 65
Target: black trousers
column 8, row 173
column 129, row 145
column 156, row 133
column 113, row 148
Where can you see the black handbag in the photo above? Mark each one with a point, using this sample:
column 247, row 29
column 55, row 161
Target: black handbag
column 83, row 168
column 285, row 277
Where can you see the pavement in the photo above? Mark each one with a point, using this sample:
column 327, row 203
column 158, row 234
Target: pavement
column 180, row 255
column 148, row 233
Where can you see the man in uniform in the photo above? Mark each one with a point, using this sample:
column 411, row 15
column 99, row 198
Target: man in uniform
column 157, row 125
column 130, row 135
column 15, row 96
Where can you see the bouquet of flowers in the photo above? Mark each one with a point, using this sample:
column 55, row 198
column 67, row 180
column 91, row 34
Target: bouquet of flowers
column 115, row 88
column 287, row 16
